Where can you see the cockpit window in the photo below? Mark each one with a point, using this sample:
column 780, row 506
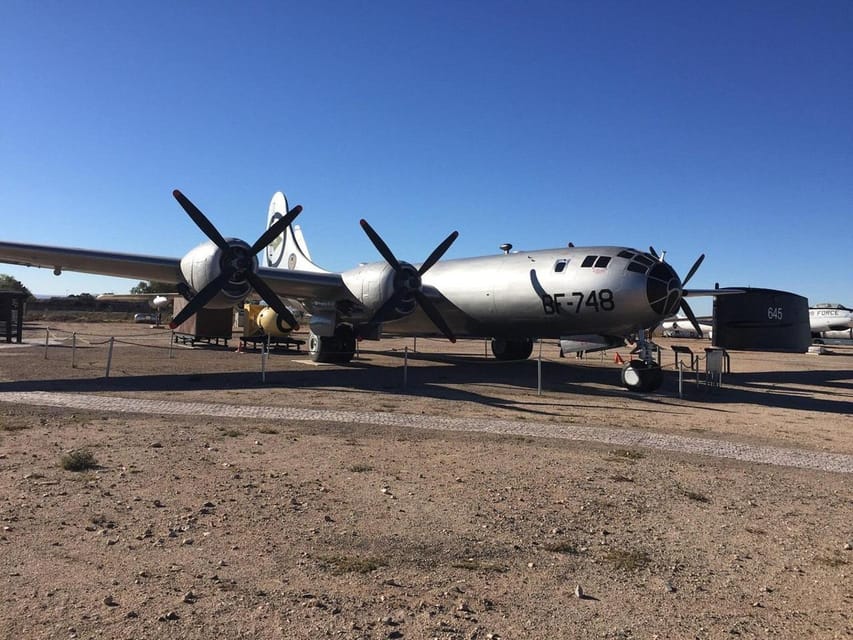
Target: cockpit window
column 560, row 265
column 602, row 262
column 625, row 254
column 588, row 261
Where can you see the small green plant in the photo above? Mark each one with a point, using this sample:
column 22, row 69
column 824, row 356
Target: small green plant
column 360, row 468
column 13, row 426
column 347, row 564
column 833, row 561
column 79, row 460
column 695, row 495
column 270, row 431
column 624, row 454
column 620, row 478
column 562, row 546
column 627, row 559
column 231, row 433
column 473, row 564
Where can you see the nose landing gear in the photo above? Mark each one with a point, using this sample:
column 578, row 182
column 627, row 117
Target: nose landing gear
column 643, row 374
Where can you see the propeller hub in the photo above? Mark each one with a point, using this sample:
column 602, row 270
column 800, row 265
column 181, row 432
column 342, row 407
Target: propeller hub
column 407, row 280
column 238, row 259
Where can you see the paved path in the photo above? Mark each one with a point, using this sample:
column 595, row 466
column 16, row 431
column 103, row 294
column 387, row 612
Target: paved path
column 799, row 458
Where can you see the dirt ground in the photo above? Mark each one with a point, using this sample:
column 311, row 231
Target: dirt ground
column 202, row 526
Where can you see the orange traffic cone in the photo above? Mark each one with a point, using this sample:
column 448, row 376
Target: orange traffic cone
column 618, row 359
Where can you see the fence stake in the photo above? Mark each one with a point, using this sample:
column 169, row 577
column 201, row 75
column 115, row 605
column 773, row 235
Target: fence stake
column 46, row 340
column 110, row 356
column 265, row 348
column 539, row 371
column 74, row 350
column 405, row 367
column 171, row 345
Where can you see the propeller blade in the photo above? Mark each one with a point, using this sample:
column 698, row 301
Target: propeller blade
column 434, row 315
column 380, row 245
column 271, row 298
column 693, row 269
column 276, row 230
column 385, row 310
column 653, row 252
column 690, row 316
column 438, row 252
column 201, row 298
column 389, row 305
column 200, row 220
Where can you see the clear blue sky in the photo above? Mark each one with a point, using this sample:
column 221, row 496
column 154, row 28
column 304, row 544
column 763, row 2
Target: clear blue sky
column 716, row 127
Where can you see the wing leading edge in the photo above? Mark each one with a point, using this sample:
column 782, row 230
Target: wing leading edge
column 104, row 263
column 286, row 283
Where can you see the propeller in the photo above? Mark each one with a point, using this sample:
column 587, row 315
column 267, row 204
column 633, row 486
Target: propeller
column 237, row 261
column 659, row 257
column 683, row 304
column 407, row 280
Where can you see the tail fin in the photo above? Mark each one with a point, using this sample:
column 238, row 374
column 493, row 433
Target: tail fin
column 287, row 251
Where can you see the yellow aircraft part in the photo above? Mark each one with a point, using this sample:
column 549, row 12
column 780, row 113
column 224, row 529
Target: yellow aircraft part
column 250, row 319
column 271, row 323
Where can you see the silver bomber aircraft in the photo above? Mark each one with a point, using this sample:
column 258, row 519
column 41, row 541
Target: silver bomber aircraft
column 591, row 296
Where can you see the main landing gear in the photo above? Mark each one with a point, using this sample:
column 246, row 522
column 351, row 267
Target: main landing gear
column 339, row 348
column 512, row 349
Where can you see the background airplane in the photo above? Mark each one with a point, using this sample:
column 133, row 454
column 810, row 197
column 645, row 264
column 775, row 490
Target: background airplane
column 831, row 320
column 682, row 328
column 513, row 298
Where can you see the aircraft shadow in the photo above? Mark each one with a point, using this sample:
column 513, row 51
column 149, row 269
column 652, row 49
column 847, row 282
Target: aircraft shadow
column 584, row 386
column 437, row 380
column 779, row 389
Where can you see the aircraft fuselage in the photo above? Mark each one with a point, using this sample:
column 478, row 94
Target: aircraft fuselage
column 548, row 294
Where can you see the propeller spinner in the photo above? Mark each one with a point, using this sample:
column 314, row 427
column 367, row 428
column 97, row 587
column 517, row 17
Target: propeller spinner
column 407, row 281
column 237, row 263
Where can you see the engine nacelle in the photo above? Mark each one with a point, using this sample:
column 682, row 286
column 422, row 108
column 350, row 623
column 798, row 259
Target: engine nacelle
column 372, row 284
column 203, row 265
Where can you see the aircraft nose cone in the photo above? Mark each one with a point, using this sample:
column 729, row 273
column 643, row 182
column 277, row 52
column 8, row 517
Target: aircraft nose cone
column 663, row 289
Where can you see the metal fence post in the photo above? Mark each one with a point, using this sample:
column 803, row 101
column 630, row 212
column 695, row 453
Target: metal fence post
column 405, row 367
column 539, row 371
column 110, row 356
column 265, row 348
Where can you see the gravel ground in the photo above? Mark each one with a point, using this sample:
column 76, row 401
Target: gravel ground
column 334, row 502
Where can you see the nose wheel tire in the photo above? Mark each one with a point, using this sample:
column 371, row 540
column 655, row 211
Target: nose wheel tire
column 641, row 376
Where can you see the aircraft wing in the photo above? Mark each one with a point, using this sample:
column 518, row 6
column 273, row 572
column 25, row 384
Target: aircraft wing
column 286, row 283
column 305, row 284
column 122, row 265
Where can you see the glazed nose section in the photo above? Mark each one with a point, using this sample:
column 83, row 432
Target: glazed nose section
column 663, row 288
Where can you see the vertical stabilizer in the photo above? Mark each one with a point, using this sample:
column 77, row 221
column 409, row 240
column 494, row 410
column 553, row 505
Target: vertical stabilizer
column 288, row 250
